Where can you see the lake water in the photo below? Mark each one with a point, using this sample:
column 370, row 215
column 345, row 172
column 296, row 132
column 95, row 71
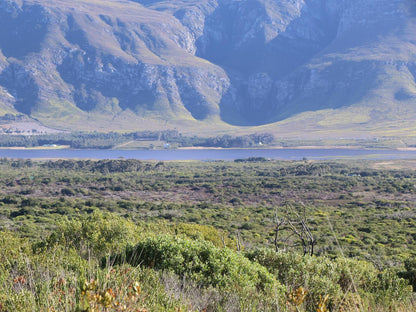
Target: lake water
column 211, row 154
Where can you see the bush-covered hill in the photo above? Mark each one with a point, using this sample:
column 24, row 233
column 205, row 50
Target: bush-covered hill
column 127, row 235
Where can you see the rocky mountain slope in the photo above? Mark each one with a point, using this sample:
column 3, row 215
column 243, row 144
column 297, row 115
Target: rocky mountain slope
column 120, row 64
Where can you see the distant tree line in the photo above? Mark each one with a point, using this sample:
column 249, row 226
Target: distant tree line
column 103, row 166
column 251, row 159
column 227, row 141
column 99, row 140
column 241, row 141
column 81, row 140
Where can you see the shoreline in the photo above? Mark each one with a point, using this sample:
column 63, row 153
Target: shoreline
column 299, row 147
column 59, row 147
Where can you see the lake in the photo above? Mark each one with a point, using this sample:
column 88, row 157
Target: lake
column 209, row 154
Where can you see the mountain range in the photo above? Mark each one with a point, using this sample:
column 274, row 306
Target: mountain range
column 341, row 68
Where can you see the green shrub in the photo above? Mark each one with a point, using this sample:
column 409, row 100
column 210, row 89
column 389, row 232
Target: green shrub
column 17, row 301
column 390, row 287
column 339, row 279
column 410, row 273
column 317, row 276
column 95, row 234
column 13, row 251
column 206, row 233
column 199, row 260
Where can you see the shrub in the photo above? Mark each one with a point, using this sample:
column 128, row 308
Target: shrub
column 68, row 192
column 205, row 232
column 13, row 251
column 390, row 287
column 199, row 260
column 342, row 280
column 99, row 233
column 318, row 278
column 410, row 273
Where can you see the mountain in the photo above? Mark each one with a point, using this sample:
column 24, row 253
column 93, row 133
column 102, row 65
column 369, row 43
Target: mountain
column 345, row 67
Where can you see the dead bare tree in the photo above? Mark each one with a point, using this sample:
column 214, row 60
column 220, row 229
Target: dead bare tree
column 292, row 224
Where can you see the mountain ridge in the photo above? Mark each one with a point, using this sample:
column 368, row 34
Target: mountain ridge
column 227, row 65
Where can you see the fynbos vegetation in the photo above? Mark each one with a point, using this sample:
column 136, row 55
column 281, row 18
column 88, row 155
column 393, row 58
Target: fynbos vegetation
column 128, row 235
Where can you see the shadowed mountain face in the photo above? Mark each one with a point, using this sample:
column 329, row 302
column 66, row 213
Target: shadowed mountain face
column 245, row 62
